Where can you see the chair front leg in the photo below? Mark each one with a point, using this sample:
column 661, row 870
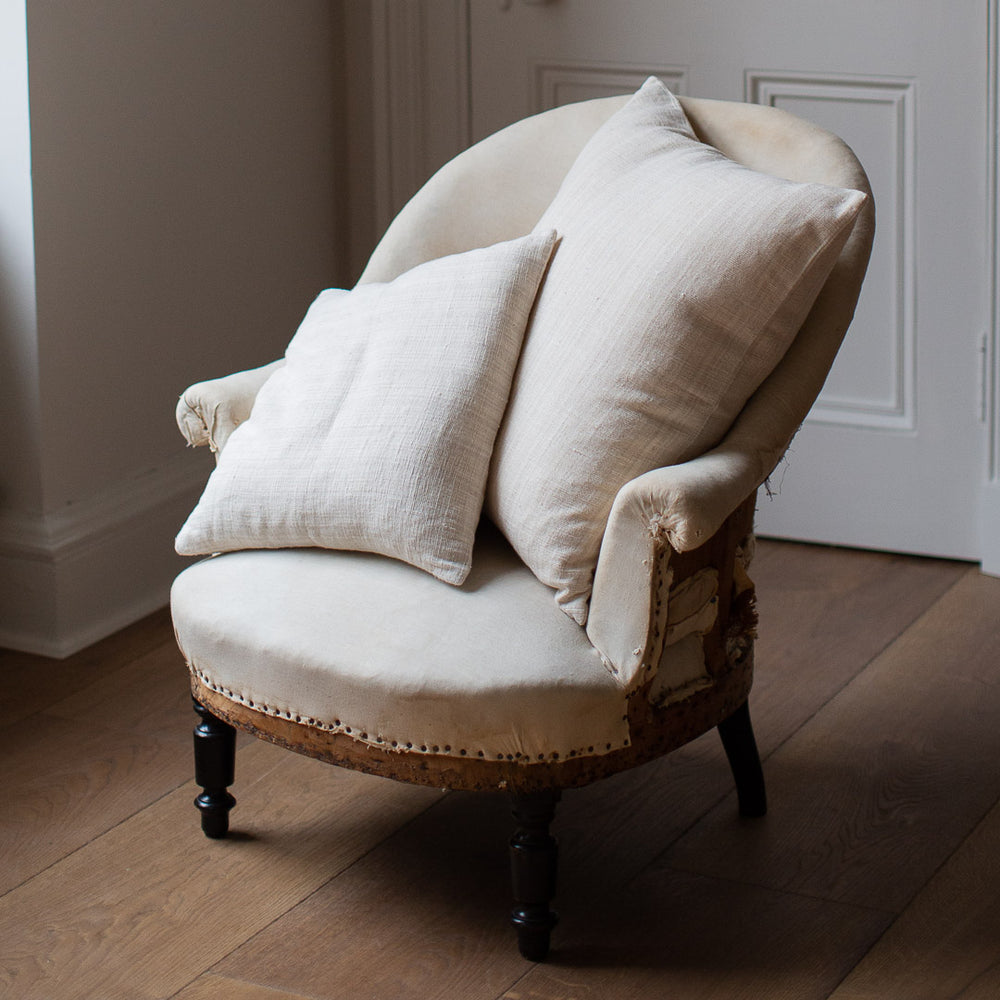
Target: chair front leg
column 744, row 761
column 533, row 855
column 214, row 768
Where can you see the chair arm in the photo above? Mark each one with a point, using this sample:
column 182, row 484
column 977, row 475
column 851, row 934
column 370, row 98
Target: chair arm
column 208, row 412
column 655, row 517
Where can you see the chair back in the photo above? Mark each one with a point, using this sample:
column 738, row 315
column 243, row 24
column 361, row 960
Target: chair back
column 499, row 188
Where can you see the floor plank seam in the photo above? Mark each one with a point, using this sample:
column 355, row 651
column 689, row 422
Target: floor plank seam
column 947, row 860
column 798, row 894
column 342, row 871
column 125, row 819
column 849, row 972
column 99, row 677
column 855, row 677
column 683, row 832
column 517, row 981
column 92, row 840
column 259, row 986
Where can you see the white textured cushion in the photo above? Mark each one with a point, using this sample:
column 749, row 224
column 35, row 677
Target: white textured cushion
column 680, row 281
column 376, row 434
column 376, row 649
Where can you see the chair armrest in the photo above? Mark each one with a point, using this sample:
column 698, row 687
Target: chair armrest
column 208, row 412
column 654, row 519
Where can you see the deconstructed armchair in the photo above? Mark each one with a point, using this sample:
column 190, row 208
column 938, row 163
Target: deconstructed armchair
column 600, row 328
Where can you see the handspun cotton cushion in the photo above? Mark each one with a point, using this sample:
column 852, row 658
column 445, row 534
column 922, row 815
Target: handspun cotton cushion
column 681, row 279
column 377, row 432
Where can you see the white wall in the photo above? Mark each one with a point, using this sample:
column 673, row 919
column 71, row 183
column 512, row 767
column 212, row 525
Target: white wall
column 185, row 212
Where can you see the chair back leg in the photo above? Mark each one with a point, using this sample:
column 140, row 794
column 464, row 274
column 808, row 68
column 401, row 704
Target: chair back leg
column 744, row 760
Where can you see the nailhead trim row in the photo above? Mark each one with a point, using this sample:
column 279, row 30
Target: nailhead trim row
column 380, row 740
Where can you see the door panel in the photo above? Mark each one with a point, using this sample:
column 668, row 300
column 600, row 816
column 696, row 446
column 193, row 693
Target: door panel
column 893, row 454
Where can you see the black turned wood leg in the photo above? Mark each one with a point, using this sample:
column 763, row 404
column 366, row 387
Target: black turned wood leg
column 741, row 749
column 533, row 853
column 214, row 766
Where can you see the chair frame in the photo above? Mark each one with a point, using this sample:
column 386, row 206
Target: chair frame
column 707, row 503
column 533, row 787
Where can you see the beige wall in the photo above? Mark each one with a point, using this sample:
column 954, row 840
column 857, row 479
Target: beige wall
column 357, row 165
column 186, row 164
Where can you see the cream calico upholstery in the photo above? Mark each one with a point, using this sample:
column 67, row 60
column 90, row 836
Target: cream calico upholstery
column 384, row 653
column 497, row 190
column 370, row 663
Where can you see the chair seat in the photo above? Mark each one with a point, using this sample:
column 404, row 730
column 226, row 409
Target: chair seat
column 383, row 652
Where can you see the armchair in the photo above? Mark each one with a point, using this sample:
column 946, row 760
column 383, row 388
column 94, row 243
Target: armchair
column 369, row 663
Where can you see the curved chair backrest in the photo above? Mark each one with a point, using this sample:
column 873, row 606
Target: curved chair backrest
column 498, row 189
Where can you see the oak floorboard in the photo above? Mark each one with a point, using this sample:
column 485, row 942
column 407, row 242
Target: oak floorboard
column 92, row 759
column 335, row 880
column 150, row 693
column 874, row 793
column 29, row 683
column 403, row 923
column 212, row 987
column 985, row 986
column 947, row 942
column 66, row 782
column 689, row 937
column 422, row 917
column 147, row 907
column 620, row 824
column 825, row 613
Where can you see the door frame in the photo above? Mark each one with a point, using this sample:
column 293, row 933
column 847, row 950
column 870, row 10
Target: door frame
column 989, row 534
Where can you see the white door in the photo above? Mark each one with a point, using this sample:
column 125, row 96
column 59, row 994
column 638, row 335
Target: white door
column 894, row 454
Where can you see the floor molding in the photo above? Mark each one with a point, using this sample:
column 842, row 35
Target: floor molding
column 70, row 577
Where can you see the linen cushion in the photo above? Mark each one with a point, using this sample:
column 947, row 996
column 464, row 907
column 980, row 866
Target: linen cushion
column 376, row 434
column 681, row 279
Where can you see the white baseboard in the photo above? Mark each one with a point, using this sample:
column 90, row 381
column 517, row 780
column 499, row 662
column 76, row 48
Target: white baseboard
column 70, row 578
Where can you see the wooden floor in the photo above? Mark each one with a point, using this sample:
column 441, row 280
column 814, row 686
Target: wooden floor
column 876, row 874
